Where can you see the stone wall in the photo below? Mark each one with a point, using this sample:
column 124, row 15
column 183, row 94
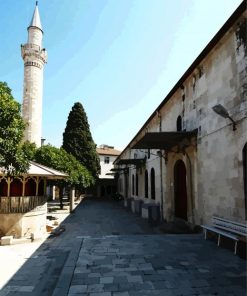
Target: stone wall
column 214, row 163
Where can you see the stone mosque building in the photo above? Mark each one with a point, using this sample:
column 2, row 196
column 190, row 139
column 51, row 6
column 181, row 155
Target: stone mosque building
column 189, row 159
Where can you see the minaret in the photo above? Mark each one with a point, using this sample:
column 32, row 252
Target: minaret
column 34, row 57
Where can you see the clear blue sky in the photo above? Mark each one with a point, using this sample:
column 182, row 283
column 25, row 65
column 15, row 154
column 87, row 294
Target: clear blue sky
column 119, row 58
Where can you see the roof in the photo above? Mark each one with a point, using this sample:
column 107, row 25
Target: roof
column 108, row 151
column 162, row 140
column 35, row 22
column 227, row 25
column 36, row 169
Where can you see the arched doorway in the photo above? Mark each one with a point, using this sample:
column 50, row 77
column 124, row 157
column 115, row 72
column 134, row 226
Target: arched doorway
column 180, row 190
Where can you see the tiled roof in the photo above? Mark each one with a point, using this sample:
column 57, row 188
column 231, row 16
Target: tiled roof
column 108, row 151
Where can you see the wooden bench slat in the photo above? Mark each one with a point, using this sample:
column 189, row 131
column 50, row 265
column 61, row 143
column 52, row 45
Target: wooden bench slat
column 219, row 231
column 233, row 230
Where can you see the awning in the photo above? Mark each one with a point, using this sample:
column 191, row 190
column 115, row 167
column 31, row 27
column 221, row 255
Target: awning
column 133, row 161
column 117, row 169
column 163, row 140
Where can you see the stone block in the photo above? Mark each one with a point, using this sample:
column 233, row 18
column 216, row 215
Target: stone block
column 6, row 240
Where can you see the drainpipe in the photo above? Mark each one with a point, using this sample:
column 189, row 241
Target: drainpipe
column 161, row 172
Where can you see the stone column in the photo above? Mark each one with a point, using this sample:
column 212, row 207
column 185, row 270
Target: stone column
column 72, row 200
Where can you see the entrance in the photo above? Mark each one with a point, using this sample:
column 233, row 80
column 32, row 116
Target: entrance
column 180, row 190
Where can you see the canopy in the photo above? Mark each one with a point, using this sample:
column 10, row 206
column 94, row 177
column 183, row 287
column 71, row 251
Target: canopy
column 133, row 161
column 163, row 140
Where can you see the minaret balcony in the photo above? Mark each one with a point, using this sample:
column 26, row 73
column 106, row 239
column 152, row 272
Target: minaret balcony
column 33, row 50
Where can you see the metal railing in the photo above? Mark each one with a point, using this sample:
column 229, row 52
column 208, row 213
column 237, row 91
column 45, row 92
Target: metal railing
column 20, row 204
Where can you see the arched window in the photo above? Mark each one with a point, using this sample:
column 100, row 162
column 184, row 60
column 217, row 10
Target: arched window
column 152, row 183
column 179, row 123
column 245, row 176
column 133, row 184
column 137, row 185
column 146, row 184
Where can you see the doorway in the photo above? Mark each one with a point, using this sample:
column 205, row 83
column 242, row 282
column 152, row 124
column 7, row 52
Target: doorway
column 180, row 190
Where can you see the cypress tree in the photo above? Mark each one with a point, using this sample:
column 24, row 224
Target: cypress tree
column 78, row 141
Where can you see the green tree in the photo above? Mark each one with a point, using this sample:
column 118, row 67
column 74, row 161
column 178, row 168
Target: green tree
column 59, row 159
column 12, row 127
column 78, row 141
column 29, row 150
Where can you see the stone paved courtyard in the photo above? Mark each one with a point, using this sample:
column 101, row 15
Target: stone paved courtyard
column 106, row 250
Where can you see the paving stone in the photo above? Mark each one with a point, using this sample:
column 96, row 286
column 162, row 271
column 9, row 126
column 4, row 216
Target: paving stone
column 111, row 287
column 95, row 288
column 120, row 279
column 134, row 279
column 106, row 280
column 76, row 289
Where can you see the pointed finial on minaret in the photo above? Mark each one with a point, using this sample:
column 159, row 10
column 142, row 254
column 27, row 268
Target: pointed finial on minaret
column 35, row 22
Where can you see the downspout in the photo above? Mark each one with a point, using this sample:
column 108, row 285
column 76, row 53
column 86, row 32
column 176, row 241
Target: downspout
column 161, row 172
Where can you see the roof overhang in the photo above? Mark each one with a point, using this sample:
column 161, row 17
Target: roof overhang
column 39, row 170
column 131, row 161
column 163, row 140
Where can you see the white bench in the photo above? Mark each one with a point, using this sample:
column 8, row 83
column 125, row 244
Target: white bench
column 227, row 228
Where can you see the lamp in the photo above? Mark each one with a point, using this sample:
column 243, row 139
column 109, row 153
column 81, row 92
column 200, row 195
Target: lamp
column 220, row 110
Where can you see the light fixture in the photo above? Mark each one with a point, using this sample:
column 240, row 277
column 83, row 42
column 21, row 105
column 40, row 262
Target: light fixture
column 220, row 110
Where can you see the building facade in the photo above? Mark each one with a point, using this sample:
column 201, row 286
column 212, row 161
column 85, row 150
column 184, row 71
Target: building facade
column 106, row 184
column 189, row 157
column 34, row 57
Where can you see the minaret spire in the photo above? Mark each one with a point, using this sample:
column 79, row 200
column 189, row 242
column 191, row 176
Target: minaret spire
column 35, row 22
column 34, row 57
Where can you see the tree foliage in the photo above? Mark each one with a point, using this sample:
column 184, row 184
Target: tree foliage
column 60, row 160
column 78, row 141
column 12, row 126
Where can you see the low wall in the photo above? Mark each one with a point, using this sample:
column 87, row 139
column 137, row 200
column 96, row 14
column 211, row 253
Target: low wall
column 24, row 224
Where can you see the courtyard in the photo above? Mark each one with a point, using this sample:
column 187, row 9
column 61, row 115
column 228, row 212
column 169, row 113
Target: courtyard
column 106, row 250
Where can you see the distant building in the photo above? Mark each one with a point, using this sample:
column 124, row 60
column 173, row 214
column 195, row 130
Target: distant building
column 106, row 185
column 190, row 156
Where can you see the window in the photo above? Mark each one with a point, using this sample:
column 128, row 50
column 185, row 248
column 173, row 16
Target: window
column 133, row 184
column 179, row 124
column 107, row 159
column 137, row 185
column 152, row 183
column 146, row 184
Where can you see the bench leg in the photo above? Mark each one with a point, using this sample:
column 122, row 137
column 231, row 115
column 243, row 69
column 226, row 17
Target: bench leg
column 218, row 240
column 235, row 247
column 205, row 233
